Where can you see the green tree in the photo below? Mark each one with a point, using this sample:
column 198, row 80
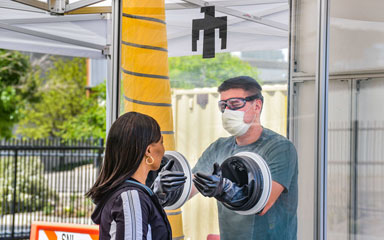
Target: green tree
column 14, row 90
column 196, row 72
column 64, row 109
column 91, row 121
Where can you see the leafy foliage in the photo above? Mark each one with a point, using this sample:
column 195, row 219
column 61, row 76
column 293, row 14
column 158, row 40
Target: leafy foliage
column 196, row 72
column 64, row 109
column 14, row 90
column 91, row 121
column 78, row 206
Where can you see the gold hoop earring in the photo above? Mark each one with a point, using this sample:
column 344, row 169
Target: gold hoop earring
column 149, row 163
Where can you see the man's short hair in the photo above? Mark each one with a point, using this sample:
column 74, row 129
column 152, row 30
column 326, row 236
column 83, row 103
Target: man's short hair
column 243, row 82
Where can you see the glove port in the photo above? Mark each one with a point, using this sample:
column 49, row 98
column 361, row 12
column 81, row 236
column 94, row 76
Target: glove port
column 181, row 195
column 243, row 168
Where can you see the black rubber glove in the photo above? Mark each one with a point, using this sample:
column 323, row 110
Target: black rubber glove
column 221, row 188
column 166, row 182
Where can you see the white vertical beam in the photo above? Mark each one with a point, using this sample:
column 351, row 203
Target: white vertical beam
column 113, row 81
column 322, row 78
column 291, row 59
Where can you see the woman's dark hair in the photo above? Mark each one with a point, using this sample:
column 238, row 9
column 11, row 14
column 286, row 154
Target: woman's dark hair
column 128, row 139
column 243, row 82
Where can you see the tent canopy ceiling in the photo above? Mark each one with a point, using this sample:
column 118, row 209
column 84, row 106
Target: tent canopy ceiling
column 252, row 25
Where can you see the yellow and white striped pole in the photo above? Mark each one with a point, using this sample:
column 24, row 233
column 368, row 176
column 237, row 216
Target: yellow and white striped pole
column 144, row 66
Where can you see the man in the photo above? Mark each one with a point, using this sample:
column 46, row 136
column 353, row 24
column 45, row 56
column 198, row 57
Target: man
column 241, row 104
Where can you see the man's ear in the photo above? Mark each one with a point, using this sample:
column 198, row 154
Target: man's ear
column 258, row 105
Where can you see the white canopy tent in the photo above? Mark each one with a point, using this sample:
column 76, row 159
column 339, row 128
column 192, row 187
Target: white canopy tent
column 36, row 26
column 252, row 25
column 29, row 29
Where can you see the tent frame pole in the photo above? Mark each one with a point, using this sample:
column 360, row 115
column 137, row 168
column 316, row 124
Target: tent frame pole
column 113, row 81
column 50, row 19
column 51, row 36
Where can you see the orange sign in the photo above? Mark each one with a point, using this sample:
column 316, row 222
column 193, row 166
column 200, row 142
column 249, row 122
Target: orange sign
column 63, row 231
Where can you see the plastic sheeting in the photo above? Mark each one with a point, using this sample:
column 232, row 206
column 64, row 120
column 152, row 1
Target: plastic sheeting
column 144, row 66
column 200, row 216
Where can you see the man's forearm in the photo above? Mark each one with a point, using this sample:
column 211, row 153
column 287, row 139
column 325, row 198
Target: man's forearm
column 194, row 190
column 277, row 189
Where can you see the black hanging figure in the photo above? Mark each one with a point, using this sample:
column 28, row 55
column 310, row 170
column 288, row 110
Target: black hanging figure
column 208, row 24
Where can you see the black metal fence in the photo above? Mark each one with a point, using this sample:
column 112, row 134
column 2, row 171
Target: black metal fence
column 355, row 194
column 45, row 180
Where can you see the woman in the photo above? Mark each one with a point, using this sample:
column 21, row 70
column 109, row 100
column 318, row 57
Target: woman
column 126, row 208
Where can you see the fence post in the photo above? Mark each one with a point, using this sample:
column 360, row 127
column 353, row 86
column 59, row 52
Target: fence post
column 99, row 159
column 354, row 181
column 14, row 197
column 62, row 159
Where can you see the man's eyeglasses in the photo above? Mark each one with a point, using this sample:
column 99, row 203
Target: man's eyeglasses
column 236, row 103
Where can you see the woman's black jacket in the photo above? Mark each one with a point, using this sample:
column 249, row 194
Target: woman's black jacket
column 132, row 212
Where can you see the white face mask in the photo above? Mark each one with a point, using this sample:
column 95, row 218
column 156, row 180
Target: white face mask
column 233, row 122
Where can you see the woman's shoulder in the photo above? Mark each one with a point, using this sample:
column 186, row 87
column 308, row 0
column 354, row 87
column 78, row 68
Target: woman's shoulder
column 132, row 191
column 127, row 191
column 131, row 197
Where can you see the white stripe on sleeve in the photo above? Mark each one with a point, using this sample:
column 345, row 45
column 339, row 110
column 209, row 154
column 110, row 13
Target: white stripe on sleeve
column 112, row 230
column 132, row 215
column 149, row 234
column 127, row 217
column 139, row 219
